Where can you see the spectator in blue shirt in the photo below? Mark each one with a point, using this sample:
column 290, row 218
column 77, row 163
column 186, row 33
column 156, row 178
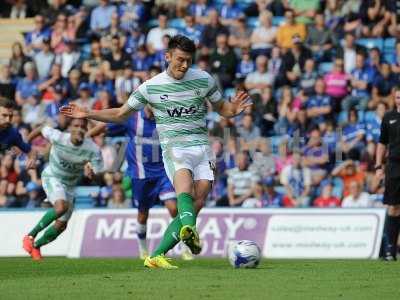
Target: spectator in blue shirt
column 246, row 65
column 319, row 106
column 191, row 30
column 27, row 86
column 199, row 10
column 383, row 86
column 373, row 125
column 134, row 39
column 229, row 12
column 34, row 38
column 131, row 13
column 361, row 79
column 141, row 62
column 353, row 133
column 100, row 83
column 101, row 16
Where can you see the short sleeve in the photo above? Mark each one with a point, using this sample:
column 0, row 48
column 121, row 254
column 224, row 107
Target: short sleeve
column 51, row 134
column 19, row 142
column 213, row 93
column 384, row 137
column 137, row 99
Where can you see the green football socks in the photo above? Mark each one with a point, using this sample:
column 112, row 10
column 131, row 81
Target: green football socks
column 49, row 235
column 45, row 221
column 186, row 211
column 170, row 238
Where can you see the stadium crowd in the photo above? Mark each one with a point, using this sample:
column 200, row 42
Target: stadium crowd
column 321, row 74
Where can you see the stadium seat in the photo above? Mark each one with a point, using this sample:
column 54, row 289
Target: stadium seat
column 177, row 23
column 277, row 21
column 86, row 191
column 389, row 45
column 342, row 117
column 389, row 58
column 371, row 43
column 252, row 22
column 325, row 67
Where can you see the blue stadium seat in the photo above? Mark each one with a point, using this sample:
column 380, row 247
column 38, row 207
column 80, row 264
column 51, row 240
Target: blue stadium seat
column 369, row 116
column 152, row 23
column 389, row 45
column 86, row 191
column 371, row 43
column 277, row 21
column 342, row 117
column 389, row 58
column 177, row 23
column 252, row 22
column 325, row 67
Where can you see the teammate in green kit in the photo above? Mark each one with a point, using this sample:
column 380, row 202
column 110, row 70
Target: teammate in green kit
column 69, row 154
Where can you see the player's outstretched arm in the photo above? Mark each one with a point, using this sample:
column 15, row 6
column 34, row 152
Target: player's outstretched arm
column 112, row 115
column 35, row 133
column 96, row 130
column 238, row 104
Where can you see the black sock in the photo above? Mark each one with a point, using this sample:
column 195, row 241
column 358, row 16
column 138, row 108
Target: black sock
column 392, row 231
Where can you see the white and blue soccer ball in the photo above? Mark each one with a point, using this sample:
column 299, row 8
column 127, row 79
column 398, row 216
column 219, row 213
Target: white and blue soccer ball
column 244, row 254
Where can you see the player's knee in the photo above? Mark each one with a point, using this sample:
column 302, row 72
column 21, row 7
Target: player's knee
column 60, row 225
column 61, row 207
column 142, row 217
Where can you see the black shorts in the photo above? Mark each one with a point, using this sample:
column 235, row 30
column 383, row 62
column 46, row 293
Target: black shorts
column 392, row 183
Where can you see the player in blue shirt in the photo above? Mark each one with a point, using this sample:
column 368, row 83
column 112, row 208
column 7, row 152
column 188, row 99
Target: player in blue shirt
column 9, row 136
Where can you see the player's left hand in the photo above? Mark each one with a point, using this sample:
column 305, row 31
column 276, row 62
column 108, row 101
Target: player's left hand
column 240, row 102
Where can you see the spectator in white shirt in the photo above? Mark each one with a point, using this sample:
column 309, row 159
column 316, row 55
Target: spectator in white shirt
column 357, row 197
column 155, row 35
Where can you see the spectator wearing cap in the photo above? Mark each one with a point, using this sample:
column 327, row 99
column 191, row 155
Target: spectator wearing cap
column 316, row 157
column 191, row 30
column 28, row 85
column 353, row 133
column 44, row 59
column 239, row 34
column 155, row 36
column 69, row 58
column 240, row 181
column 383, row 86
column 85, row 99
column 360, row 80
column 320, row 39
column 34, row 38
column 336, row 84
column 319, row 107
column 263, row 36
column 229, row 12
column 223, row 62
column 327, row 199
column 356, row 198
column 101, row 16
column 260, row 78
column 211, row 31
column 285, row 33
column 126, row 83
column 296, row 178
column 348, row 171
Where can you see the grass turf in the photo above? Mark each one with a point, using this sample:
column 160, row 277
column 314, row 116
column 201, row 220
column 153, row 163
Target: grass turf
column 61, row 278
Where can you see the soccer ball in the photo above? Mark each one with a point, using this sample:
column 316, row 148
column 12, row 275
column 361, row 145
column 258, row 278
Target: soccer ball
column 244, row 254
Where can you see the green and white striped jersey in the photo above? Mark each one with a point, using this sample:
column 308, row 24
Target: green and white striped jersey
column 179, row 106
column 67, row 161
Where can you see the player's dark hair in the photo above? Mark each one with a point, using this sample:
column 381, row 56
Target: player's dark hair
column 4, row 102
column 182, row 43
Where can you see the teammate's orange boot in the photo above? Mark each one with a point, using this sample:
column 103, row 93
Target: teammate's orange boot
column 27, row 243
column 36, row 255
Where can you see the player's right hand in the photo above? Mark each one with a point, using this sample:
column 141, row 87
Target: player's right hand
column 73, row 110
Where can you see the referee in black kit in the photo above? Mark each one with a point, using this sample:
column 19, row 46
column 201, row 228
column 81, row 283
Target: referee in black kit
column 390, row 140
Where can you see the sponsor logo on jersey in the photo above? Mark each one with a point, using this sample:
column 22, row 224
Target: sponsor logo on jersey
column 182, row 111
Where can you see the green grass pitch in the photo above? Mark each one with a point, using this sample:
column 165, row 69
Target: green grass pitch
column 61, row 278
